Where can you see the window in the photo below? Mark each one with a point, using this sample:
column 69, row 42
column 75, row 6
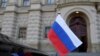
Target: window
column 22, row 32
column 50, row 1
column 0, row 29
column 26, row 2
column 3, row 3
column 46, row 31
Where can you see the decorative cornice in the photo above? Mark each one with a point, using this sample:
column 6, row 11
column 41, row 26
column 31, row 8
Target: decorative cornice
column 10, row 12
column 74, row 3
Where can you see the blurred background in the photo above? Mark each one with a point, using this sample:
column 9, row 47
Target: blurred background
column 25, row 23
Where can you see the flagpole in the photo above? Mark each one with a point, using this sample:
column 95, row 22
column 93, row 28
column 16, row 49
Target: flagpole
column 58, row 11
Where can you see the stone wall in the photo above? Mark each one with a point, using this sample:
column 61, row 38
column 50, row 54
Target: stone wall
column 22, row 19
column 1, row 18
column 47, row 20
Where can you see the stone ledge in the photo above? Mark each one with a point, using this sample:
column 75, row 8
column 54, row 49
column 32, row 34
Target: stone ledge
column 79, row 54
column 49, row 8
column 84, row 54
column 35, row 7
column 74, row 3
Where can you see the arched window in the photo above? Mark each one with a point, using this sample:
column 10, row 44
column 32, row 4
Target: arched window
column 26, row 2
column 78, row 26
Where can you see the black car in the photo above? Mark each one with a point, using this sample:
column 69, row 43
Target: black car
column 8, row 46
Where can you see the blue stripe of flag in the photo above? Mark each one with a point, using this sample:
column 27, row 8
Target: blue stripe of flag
column 63, row 36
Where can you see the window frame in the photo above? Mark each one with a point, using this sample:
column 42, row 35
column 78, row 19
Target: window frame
column 20, row 32
column 50, row 2
column 25, row 2
column 47, row 28
column 4, row 3
column 0, row 29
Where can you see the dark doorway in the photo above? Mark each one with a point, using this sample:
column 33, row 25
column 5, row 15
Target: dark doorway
column 78, row 26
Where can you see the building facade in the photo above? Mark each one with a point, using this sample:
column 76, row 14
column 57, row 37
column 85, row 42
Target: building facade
column 28, row 21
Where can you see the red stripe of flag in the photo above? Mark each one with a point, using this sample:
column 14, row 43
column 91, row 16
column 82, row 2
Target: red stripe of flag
column 57, row 43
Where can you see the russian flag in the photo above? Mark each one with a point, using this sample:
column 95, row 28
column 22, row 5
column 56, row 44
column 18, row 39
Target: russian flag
column 63, row 39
